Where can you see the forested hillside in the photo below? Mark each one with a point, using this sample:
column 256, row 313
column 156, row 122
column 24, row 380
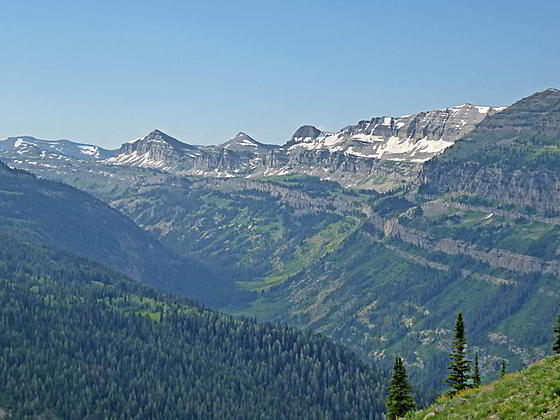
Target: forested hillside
column 82, row 341
column 61, row 216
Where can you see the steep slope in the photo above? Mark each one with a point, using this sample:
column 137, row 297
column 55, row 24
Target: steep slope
column 512, row 158
column 384, row 274
column 533, row 393
column 64, row 217
column 82, row 341
column 247, row 228
column 385, row 297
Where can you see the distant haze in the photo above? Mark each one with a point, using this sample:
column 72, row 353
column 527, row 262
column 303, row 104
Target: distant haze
column 107, row 72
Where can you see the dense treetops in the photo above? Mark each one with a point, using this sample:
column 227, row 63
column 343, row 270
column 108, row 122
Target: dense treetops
column 82, row 341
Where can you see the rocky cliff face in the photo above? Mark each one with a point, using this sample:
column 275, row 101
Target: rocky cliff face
column 411, row 138
column 511, row 158
column 156, row 150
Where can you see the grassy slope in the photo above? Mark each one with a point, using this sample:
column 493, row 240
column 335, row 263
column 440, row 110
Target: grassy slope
column 533, row 393
column 381, row 304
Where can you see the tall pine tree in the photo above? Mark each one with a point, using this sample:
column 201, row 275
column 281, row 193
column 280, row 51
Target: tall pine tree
column 399, row 401
column 556, row 346
column 476, row 376
column 460, row 366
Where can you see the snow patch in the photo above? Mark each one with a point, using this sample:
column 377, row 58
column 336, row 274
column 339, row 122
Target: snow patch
column 483, row 109
column 247, row 143
column 89, row 150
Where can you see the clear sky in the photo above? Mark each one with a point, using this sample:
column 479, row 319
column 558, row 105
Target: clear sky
column 106, row 72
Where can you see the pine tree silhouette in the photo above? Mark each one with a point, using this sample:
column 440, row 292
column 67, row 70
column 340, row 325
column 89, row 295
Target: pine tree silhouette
column 476, row 376
column 460, row 366
column 400, row 400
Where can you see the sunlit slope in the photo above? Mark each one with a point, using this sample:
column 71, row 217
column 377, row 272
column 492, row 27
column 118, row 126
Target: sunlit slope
column 533, row 393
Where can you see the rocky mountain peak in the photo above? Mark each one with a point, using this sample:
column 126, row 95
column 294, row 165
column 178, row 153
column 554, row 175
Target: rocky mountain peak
column 551, row 91
column 307, row 131
column 241, row 135
column 241, row 138
column 242, row 142
column 156, row 132
column 159, row 136
column 535, row 118
column 548, row 98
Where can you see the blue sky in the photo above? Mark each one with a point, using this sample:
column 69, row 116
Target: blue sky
column 108, row 71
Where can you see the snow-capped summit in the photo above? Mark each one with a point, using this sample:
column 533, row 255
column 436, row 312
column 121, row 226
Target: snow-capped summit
column 244, row 143
column 413, row 138
column 156, row 150
column 304, row 134
column 27, row 146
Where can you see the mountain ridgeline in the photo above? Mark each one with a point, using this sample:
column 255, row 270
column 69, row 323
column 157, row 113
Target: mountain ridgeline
column 510, row 159
column 381, row 153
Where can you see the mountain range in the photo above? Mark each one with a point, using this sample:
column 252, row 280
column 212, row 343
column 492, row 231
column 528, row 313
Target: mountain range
column 378, row 153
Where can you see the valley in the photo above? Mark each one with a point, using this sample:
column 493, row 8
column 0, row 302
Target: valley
column 442, row 224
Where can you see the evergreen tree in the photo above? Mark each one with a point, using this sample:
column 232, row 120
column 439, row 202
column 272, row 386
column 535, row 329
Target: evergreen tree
column 503, row 369
column 399, row 401
column 476, row 376
column 460, row 366
column 556, row 346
